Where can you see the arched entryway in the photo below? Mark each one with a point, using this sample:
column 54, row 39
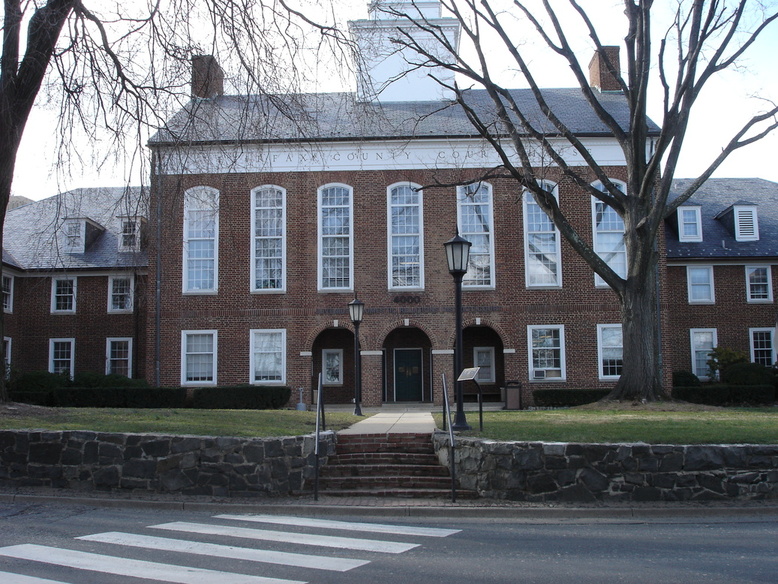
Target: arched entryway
column 408, row 366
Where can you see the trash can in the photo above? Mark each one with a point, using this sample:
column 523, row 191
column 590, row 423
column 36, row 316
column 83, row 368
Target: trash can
column 513, row 395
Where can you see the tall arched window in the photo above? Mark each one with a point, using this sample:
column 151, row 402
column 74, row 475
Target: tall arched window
column 474, row 209
column 336, row 242
column 542, row 252
column 201, row 240
column 268, row 233
column 608, row 231
column 406, row 240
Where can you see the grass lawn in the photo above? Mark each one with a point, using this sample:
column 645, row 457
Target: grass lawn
column 262, row 423
column 715, row 426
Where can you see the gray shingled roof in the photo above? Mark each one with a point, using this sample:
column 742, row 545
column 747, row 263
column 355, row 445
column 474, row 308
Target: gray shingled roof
column 338, row 116
column 33, row 233
column 717, row 195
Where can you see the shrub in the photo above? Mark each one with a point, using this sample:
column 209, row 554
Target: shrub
column 91, row 379
column 685, row 379
column 36, row 381
column 562, row 398
column 241, row 397
column 722, row 357
column 748, row 374
column 727, row 395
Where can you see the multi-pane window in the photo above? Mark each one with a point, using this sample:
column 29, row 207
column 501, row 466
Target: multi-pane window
column 474, row 205
column 762, row 346
column 198, row 357
column 201, row 235
column 541, row 243
column 609, row 235
column 483, row 357
column 63, row 295
column 689, row 224
column 268, row 251
column 703, row 342
column 547, row 352
column 118, row 356
column 268, row 356
column 759, row 284
column 610, row 347
column 120, row 293
column 61, row 356
column 700, row 284
column 405, row 237
column 335, row 237
column 74, row 240
column 129, row 239
column 332, row 366
column 7, row 356
column 8, row 293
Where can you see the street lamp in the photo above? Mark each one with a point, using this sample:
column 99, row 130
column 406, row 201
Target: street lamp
column 457, row 255
column 356, row 309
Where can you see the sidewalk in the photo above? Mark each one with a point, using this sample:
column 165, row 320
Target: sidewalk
column 399, row 422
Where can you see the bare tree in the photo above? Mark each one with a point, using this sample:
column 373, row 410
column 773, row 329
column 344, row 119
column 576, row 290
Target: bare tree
column 116, row 69
column 705, row 38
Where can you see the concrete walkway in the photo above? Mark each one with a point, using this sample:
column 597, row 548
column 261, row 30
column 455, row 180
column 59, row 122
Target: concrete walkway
column 397, row 422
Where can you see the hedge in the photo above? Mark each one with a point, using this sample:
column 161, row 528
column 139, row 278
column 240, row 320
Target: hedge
column 564, row 398
column 726, row 395
column 241, row 397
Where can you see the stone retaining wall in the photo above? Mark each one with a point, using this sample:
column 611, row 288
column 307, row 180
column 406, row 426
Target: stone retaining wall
column 190, row 465
column 532, row 471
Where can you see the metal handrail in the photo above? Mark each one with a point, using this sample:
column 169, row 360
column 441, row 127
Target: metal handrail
column 319, row 428
column 452, row 445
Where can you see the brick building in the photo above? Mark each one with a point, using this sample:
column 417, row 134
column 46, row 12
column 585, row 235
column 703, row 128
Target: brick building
column 268, row 216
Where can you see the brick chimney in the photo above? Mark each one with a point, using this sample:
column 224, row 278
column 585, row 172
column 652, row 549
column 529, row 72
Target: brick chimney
column 207, row 77
column 599, row 75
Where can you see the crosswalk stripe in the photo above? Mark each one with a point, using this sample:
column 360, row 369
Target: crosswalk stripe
column 226, row 551
column 9, row 578
column 368, row 545
column 128, row 567
column 344, row 525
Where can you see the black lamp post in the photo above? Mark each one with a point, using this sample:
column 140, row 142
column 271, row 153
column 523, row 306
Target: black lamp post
column 356, row 309
column 457, row 255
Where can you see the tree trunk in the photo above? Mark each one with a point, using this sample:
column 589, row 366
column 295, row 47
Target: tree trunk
column 641, row 376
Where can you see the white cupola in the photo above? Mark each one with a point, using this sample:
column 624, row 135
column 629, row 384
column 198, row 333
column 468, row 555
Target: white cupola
column 387, row 72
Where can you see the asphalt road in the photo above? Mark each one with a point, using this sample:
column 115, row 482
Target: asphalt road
column 79, row 544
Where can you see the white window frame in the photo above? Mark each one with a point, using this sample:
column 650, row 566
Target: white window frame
column 601, row 328
column 492, row 375
column 253, row 353
column 215, row 352
column 8, row 293
column 598, row 248
column 321, row 236
column 533, row 376
column 749, row 292
column 484, row 252
column 54, row 308
column 683, row 221
column 72, row 343
column 691, row 286
column 752, row 346
column 255, row 192
column 746, row 223
column 325, row 379
column 419, row 205
column 108, row 358
column 7, row 352
column 135, row 233
column 75, row 235
column 111, row 281
column 198, row 200
column 714, row 336
column 528, row 201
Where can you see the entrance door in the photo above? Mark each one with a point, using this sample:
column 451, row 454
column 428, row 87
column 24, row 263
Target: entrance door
column 407, row 375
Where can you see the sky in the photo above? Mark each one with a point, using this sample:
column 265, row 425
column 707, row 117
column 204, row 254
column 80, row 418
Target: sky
column 723, row 106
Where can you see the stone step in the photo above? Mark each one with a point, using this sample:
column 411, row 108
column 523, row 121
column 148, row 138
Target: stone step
column 365, row 483
column 408, row 443
column 373, row 458
column 378, row 470
column 402, row 493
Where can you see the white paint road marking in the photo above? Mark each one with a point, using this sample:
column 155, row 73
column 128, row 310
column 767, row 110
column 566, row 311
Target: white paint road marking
column 226, row 551
column 128, row 567
column 365, row 545
column 344, row 525
column 9, row 578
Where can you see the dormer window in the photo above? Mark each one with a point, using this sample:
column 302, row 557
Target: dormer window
column 80, row 233
column 130, row 237
column 689, row 224
column 746, row 224
column 74, row 234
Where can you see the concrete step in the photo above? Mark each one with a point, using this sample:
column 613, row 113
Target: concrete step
column 402, row 493
column 373, row 458
column 384, row 470
column 361, row 483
